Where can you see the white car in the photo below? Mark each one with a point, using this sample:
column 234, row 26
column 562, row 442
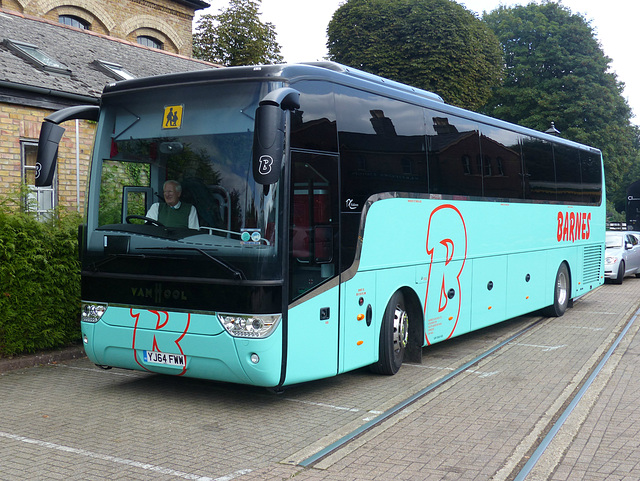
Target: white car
column 621, row 255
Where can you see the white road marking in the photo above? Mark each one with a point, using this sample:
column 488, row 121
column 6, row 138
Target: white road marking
column 322, row 405
column 471, row 371
column 587, row 328
column 544, row 348
column 118, row 460
column 100, row 370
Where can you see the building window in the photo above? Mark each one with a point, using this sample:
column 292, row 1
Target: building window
column 36, row 56
column 40, row 200
column 466, row 165
column 73, row 21
column 148, row 41
column 115, row 70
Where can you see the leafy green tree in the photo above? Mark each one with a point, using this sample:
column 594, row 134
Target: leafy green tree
column 557, row 72
column 435, row 45
column 236, row 36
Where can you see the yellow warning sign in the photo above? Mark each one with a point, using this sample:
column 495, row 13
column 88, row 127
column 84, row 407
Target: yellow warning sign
column 172, row 117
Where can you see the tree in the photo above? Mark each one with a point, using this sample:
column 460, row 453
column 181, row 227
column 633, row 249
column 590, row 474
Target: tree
column 557, row 72
column 236, row 36
column 435, row 45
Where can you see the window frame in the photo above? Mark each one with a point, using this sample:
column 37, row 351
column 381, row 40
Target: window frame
column 35, row 195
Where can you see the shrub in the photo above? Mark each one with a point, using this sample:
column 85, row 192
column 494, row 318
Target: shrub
column 39, row 281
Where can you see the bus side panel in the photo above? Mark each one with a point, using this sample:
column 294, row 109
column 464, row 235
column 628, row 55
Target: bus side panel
column 312, row 344
column 446, row 300
column 488, row 291
column 360, row 331
column 527, row 283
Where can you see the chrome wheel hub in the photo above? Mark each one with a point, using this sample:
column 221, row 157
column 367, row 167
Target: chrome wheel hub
column 400, row 329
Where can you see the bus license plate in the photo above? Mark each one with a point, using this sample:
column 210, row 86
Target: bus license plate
column 165, row 359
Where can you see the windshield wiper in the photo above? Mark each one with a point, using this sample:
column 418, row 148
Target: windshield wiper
column 94, row 265
column 237, row 273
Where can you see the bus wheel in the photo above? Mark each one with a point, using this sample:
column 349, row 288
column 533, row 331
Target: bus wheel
column 394, row 335
column 561, row 293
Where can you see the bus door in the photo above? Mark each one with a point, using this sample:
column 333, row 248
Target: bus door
column 313, row 322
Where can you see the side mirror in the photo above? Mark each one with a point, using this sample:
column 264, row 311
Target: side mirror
column 268, row 144
column 269, row 134
column 50, row 135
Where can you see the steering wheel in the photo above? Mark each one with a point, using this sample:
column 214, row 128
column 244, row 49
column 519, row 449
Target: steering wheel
column 148, row 220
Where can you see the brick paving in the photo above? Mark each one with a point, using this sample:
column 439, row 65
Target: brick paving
column 81, row 423
column 485, row 428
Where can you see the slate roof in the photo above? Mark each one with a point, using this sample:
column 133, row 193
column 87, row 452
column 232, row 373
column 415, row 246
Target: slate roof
column 77, row 50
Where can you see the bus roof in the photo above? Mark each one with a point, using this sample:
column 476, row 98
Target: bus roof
column 331, row 72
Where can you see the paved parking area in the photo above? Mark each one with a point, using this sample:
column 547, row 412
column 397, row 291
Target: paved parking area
column 72, row 420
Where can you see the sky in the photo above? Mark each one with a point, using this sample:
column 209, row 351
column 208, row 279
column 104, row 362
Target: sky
column 301, row 27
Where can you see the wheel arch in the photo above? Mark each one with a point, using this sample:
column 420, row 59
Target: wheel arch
column 570, row 271
column 413, row 351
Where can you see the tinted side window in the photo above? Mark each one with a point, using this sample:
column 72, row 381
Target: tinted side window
column 539, row 178
column 568, row 176
column 591, row 171
column 453, row 147
column 381, row 147
column 314, row 124
column 502, row 163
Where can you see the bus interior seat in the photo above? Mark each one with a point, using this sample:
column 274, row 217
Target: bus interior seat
column 210, row 205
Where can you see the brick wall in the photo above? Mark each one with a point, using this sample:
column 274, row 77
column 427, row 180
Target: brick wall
column 18, row 124
column 168, row 21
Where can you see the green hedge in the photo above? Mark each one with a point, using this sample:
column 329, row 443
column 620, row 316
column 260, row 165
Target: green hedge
column 39, row 282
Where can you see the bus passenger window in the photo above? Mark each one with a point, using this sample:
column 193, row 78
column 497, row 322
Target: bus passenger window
column 502, row 178
column 453, row 148
column 539, row 173
column 568, row 184
column 591, row 173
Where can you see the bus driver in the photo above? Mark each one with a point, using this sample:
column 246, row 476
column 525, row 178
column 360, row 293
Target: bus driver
column 174, row 213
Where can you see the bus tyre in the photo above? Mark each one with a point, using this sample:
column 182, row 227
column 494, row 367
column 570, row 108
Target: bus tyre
column 393, row 336
column 561, row 293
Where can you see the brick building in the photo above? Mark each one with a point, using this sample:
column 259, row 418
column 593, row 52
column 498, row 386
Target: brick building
column 163, row 24
column 45, row 66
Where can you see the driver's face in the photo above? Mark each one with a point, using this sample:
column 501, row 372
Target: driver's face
column 171, row 195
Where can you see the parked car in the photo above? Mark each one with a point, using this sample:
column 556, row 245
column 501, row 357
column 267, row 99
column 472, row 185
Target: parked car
column 621, row 255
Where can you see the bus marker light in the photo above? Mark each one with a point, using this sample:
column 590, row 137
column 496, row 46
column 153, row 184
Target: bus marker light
column 489, row 307
column 527, row 297
column 255, row 358
column 360, row 343
column 451, row 318
column 360, row 317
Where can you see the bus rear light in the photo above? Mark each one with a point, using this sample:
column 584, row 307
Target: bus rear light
column 258, row 326
column 93, row 312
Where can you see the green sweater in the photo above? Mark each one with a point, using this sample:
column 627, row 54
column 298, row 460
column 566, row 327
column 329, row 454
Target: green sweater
column 171, row 217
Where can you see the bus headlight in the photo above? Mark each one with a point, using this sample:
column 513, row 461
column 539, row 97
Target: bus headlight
column 93, row 312
column 254, row 326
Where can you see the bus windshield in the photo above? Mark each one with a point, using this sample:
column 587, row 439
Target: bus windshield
column 198, row 142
